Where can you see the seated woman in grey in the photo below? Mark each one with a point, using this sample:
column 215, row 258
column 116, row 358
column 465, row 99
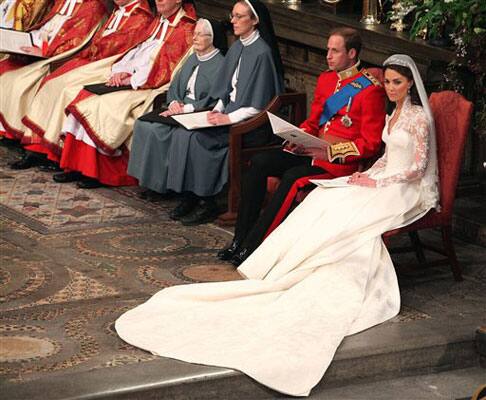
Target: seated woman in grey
column 189, row 91
column 250, row 77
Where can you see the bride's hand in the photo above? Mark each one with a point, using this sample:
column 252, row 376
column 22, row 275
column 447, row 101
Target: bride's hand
column 360, row 179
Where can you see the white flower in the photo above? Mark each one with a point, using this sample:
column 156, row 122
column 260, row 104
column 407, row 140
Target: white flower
column 448, row 1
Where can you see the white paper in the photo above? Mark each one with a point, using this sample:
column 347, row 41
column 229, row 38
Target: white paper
column 11, row 41
column 294, row 134
column 195, row 120
column 337, row 182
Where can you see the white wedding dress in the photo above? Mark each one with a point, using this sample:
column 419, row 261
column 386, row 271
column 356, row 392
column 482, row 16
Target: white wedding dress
column 321, row 275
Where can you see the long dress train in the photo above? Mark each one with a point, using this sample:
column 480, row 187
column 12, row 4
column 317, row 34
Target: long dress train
column 320, row 276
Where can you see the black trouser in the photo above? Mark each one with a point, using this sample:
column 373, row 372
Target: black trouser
column 251, row 226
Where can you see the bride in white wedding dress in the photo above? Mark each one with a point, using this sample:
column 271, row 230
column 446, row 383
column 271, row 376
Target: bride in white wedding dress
column 321, row 275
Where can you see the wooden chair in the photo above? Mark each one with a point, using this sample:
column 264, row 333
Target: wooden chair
column 292, row 107
column 452, row 114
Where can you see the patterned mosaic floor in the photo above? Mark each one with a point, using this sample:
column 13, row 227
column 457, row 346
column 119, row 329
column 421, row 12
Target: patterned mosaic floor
column 71, row 261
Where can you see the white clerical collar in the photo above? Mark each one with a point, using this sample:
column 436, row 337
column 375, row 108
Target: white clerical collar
column 123, row 11
column 251, row 38
column 349, row 72
column 207, row 56
column 68, row 7
column 127, row 6
column 164, row 24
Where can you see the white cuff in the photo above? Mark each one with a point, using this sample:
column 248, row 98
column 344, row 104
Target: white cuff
column 188, row 108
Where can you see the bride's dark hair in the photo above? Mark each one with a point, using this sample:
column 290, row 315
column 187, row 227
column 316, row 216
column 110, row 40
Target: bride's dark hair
column 407, row 73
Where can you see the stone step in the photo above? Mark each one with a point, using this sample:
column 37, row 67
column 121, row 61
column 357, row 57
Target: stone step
column 388, row 351
column 456, row 384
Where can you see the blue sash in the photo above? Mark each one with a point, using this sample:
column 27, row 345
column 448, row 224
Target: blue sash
column 339, row 99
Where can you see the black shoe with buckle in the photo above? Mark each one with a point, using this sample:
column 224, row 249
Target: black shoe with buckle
column 206, row 212
column 65, row 177
column 185, row 207
column 240, row 257
column 229, row 251
column 89, row 183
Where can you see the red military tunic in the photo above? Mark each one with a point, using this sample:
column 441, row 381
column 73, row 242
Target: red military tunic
column 363, row 136
column 367, row 113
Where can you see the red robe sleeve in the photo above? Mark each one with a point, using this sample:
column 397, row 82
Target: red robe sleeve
column 134, row 30
column 178, row 42
column 74, row 32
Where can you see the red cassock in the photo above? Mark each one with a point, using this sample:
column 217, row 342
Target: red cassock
column 109, row 170
column 367, row 115
column 86, row 15
column 133, row 29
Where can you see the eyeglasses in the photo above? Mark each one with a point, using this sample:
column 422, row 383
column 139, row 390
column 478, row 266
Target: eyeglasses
column 237, row 16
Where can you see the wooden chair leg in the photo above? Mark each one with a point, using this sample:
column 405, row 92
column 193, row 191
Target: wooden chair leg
column 417, row 246
column 451, row 253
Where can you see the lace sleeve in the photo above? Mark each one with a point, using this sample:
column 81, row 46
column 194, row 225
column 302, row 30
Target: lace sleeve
column 378, row 166
column 419, row 131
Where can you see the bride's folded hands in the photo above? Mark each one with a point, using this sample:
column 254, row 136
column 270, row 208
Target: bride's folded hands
column 217, row 118
column 361, row 179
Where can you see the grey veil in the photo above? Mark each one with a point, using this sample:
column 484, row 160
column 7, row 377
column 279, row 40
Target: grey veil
column 431, row 178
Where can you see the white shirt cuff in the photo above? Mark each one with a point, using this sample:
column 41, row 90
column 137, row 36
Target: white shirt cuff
column 242, row 114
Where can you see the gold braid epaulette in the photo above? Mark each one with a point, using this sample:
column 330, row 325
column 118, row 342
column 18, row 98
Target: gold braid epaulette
column 341, row 151
column 370, row 76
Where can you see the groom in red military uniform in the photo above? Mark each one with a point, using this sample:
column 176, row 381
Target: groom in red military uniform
column 348, row 109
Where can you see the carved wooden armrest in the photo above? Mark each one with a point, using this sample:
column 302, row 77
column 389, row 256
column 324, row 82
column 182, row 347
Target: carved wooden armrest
column 286, row 99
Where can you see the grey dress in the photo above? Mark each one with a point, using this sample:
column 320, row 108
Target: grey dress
column 198, row 159
column 152, row 140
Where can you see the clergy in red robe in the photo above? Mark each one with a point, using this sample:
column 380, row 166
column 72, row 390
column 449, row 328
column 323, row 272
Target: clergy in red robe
column 98, row 127
column 63, row 31
column 22, row 15
column 128, row 25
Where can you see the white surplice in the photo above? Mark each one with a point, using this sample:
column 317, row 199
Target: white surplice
column 321, row 275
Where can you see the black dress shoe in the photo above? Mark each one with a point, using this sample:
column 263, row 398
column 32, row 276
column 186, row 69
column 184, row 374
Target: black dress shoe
column 6, row 142
column 65, row 177
column 27, row 161
column 229, row 251
column 49, row 166
column 201, row 215
column 185, row 207
column 241, row 256
column 145, row 193
column 89, row 183
column 155, row 197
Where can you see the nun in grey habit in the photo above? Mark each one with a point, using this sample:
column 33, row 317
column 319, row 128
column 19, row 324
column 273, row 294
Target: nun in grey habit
column 189, row 91
column 251, row 75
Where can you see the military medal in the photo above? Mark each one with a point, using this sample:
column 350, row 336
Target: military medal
column 345, row 119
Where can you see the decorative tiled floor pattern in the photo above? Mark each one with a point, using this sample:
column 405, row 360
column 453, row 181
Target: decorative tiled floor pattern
column 34, row 195
column 71, row 261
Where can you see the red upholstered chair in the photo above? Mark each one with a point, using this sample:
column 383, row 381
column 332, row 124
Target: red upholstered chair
column 452, row 114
